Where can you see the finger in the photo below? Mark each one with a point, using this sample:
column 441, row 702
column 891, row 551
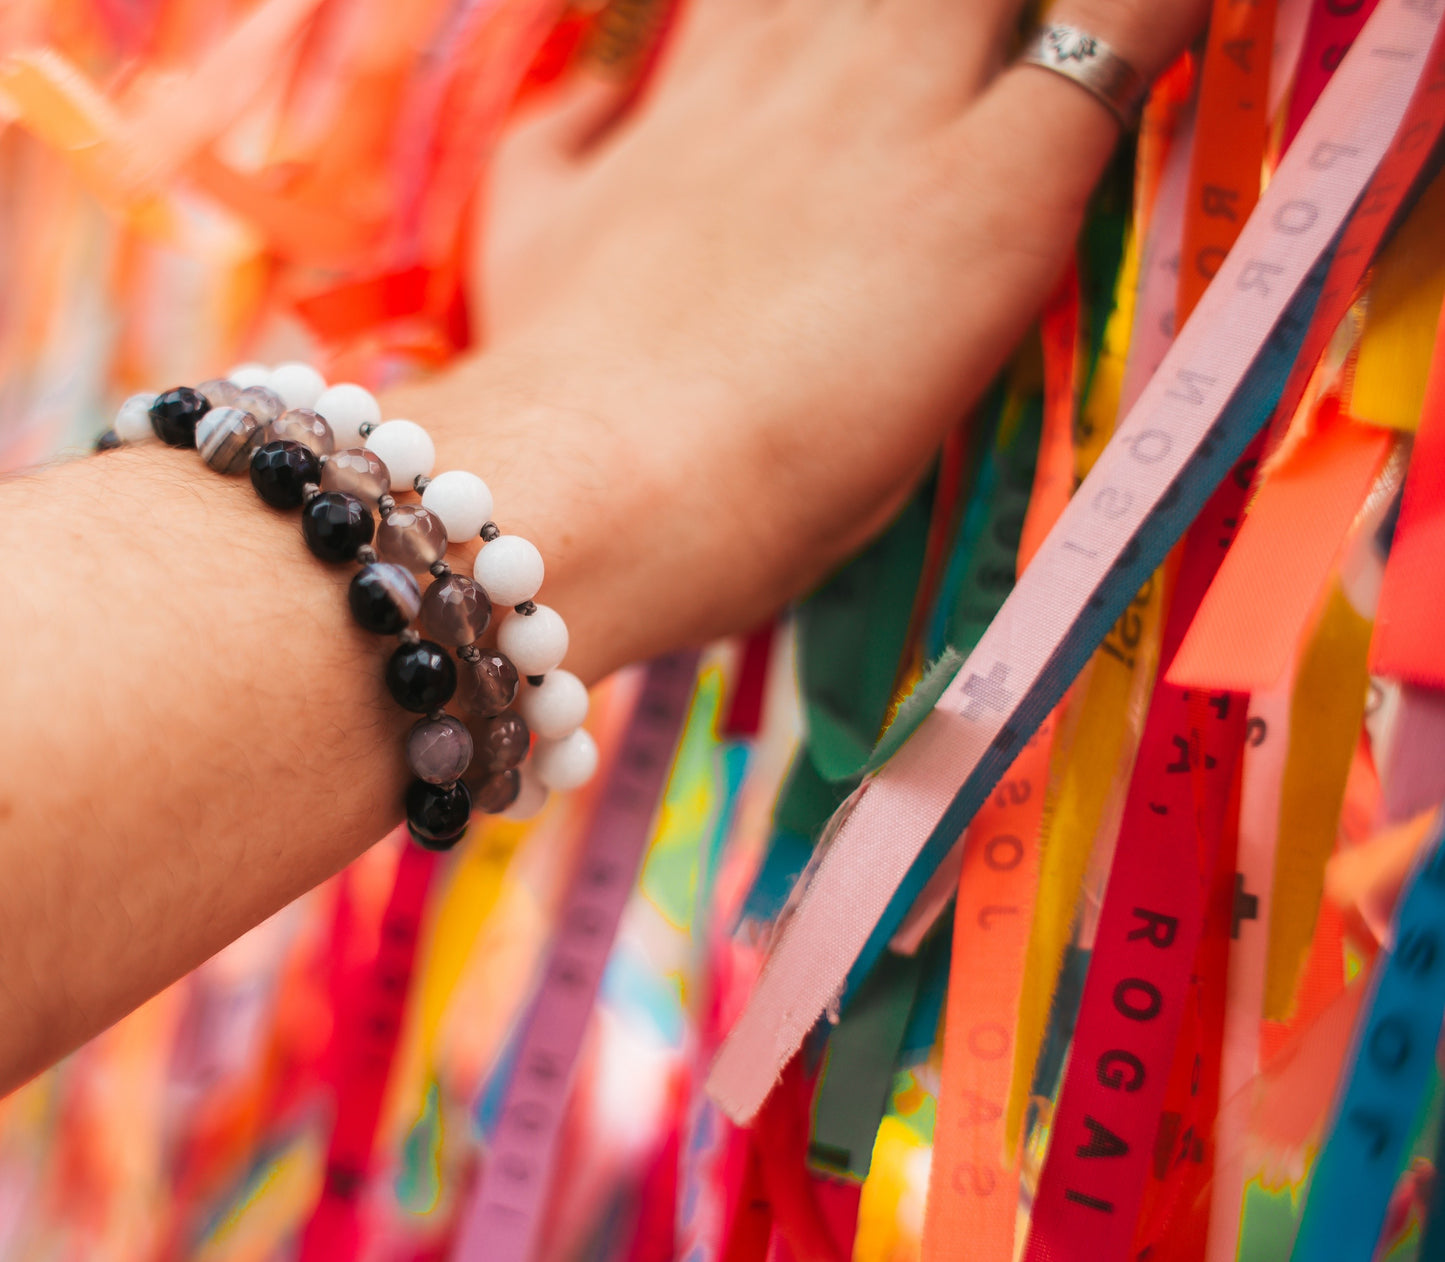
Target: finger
column 969, row 39
column 1045, row 140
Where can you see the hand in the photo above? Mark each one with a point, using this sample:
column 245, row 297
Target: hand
column 729, row 331
column 727, row 334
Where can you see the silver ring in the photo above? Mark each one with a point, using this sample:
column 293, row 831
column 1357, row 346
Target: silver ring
column 1093, row 65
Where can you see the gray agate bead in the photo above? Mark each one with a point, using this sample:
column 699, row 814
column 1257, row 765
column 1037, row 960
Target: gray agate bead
column 226, row 437
column 412, row 536
column 384, row 598
column 357, row 472
column 455, row 610
column 262, row 403
column 302, row 425
column 220, row 392
column 439, row 750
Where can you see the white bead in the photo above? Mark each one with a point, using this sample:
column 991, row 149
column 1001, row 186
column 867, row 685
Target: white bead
column 509, row 570
column 555, row 707
column 299, row 385
column 133, row 421
column 405, row 449
column 247, row 375
column 566, row 764
column 347, row 407
column 536, row 642
column 462, row 500
column 531, row 798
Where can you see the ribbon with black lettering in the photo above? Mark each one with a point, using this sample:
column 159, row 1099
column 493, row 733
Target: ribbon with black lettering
column 1216, row 388
column 501, row 1222
column 1104, row 1125
column 1393, row 1060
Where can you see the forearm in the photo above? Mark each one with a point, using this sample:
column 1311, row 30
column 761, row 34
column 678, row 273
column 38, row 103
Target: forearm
column 194, row 730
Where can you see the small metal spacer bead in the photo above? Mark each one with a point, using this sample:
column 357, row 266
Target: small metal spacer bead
column 386, row 505
column 536, row 680
column 421, row 482
column 436, row 716
column 366, row 428
column 366, row 555
column 309, row 492
column 490, row 531
column 470, row 653
column 527, row 608
column 322, row 458
column 108, row 441
column 440, row 569
column 410, row 636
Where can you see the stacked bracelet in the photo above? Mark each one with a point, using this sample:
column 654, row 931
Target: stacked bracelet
column 327, row 452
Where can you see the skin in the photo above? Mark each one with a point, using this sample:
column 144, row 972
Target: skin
column 725, row 335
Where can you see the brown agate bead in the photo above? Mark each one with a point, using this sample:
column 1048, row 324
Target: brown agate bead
column 492, row 794
column 302, row 425
column 410, row 535
column 492, row 683
column 499, row 743
column 455, row 610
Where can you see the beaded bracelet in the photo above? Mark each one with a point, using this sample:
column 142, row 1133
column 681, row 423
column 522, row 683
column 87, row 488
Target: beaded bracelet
column 326, row 451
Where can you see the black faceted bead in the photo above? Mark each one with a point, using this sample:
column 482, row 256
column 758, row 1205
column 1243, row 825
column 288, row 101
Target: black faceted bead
column 108, row 441
column 384, row 598
column 421, row 676
column 336, row 525
column 280, row 471
column 174, row 415
column 437, row 816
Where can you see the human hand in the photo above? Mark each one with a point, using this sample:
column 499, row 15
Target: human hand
column 727, row 333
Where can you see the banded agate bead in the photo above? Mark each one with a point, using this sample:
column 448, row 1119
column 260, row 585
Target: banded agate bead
column 384, row 598
column 227, row 437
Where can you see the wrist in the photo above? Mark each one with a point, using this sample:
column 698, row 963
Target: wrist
column 563, row 474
